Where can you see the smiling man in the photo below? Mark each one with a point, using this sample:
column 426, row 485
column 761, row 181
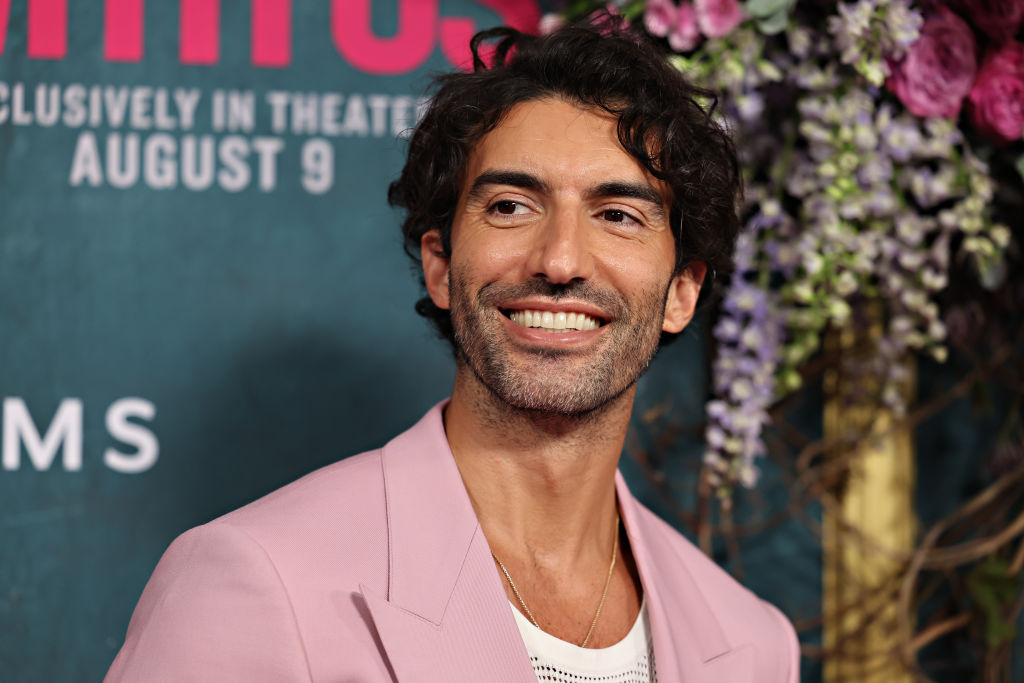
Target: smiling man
column 566, row 204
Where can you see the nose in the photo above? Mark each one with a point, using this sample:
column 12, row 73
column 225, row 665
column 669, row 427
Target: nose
column 562, row 250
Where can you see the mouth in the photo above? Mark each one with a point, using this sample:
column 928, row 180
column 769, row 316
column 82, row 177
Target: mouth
column 554, row 321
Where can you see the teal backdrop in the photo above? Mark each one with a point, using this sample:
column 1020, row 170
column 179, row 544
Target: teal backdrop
column 203, row 293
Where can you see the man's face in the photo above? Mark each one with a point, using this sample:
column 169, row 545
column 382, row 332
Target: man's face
column 560, row 277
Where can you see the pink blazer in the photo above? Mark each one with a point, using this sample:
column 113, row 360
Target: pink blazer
column 375, row 569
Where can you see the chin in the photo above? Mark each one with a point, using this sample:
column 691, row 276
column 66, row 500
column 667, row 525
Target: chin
column 579, row 401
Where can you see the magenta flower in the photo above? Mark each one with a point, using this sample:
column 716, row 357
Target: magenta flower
column 679, row 24
column 938, row 70
column 997, row 98
column 550, row 22
column 1000, row 19
column 660, row 17
column 684, row 36
column 717, row 18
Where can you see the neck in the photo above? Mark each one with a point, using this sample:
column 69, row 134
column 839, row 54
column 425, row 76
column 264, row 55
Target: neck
column 542, row 485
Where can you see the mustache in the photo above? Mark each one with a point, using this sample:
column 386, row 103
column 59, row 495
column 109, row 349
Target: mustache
column 610, row 301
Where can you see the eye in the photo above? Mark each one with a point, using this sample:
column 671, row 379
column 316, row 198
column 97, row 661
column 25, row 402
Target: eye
column 507, row 207
column 617, row 216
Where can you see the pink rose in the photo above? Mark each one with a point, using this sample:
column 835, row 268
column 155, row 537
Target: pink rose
column 1000, row 19
column 549, row 23
column 938, row 69
column 717, row 18
column 684, row 36
column 659, row 17
column 678, row 24
column 997, row 98
column 1007, row 57
column 610, row 11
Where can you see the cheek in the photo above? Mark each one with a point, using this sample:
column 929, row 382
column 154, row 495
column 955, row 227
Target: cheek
column 491, row 255
column 639, row 264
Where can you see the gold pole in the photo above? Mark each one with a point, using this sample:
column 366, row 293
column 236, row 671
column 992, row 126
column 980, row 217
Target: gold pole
column 872, row 523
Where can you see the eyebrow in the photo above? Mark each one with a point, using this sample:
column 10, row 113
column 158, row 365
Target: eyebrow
column 521, row 179
column 641, row 191
column 527, row 181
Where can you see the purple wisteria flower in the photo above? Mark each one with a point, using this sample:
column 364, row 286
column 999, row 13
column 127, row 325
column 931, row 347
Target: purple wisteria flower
column 749, row 332
column 749, row 335
column 855, row 206
column 871, row 33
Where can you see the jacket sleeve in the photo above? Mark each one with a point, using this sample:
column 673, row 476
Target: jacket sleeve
column 215, row 609
column 789, row 648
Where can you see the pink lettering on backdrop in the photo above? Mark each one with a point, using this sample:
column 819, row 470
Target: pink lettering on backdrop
column 5, row 14
column 199, row 31
column 47, row 29
column 122, row 30
column 271, row 32
column 401, row 53
column 419, row 26
column 456, row 31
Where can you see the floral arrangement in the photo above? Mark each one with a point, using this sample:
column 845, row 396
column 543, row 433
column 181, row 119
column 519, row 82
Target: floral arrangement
column 867, row 130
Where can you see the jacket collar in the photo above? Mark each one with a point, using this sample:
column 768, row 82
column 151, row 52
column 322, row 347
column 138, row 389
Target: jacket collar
column 445, row 615
column 689, row 642
column 431, row 522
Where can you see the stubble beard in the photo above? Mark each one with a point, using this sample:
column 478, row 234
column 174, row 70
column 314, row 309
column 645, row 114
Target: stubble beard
column 558, row 383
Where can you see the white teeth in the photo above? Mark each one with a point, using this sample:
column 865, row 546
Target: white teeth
column 555, row 322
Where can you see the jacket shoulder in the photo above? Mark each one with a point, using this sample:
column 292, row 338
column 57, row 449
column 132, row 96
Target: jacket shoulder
column 214, row 593
column 333, row 517
column 337, row 490
column 247, row 595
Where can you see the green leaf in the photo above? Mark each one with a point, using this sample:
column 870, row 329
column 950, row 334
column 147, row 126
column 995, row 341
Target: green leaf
column 999, row 631
column 775, row 23
column 765, row 8
column 580, row 8
column 994, row 589
column 1020, row 165
column 632, row 10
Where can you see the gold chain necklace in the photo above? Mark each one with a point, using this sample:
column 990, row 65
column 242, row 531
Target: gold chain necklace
column 604, row 593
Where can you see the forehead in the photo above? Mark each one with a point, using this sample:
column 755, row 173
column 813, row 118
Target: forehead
column 566, row 145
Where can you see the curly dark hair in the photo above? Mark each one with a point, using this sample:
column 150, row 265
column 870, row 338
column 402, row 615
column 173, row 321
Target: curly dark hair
column 598, row 63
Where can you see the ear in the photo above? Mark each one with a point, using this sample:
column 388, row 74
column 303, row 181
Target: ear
column 681, row 301
column 435, row 268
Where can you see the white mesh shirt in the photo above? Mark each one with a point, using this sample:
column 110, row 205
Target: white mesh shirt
column 631, row 660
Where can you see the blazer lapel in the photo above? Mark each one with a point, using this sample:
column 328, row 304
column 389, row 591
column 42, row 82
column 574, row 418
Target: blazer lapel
column 689, row 644
column 445, row 616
